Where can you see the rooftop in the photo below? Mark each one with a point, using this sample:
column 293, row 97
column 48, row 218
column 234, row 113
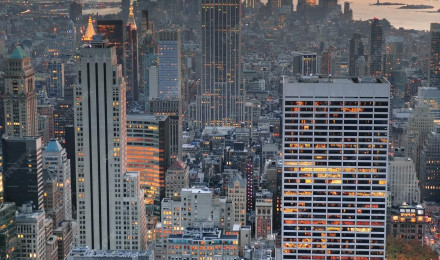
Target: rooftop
column 19, row 53
column 53, row 146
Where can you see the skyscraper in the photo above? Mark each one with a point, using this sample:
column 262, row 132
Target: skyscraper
column 434, row 67
column 114, row 33
column 170, row 78
column 376, row 48
column 356, row 51
column 20, row 97
column 131, row 58
column 55, row 79
column 23, row 170
column 220, row 95
column 100, row 131
column 334, row 168
column 55, row 160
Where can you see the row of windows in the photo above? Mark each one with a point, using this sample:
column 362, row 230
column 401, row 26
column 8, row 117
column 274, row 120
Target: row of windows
column 337, row 103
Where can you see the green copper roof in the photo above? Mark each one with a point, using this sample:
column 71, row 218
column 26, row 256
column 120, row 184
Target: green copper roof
column 18, row 53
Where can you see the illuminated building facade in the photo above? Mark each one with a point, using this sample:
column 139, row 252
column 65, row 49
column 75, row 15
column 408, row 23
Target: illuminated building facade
column 220, row 96
column 263, row 214
column 148, row 152
column 305, row 63
column 20, row 97
column 8, row 231
column 429, row 173
column 409, row 223
column 434, row 67
column 334, row 168
column 237, row 195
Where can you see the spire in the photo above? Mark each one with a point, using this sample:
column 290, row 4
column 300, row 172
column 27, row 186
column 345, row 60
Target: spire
column 90, row 32
column 131, row 20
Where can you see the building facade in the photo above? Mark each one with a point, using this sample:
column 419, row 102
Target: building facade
column 334, row 168
column 434, row 66
column 220, row 97
column 20, row 97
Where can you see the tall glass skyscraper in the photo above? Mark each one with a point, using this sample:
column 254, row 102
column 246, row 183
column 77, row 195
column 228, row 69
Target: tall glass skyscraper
column 169, row 65
column 334, row 168
column 376, row 48
column 220, row 96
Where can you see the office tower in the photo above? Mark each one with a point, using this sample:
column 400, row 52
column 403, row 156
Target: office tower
column 62, row 117
column 237, row 195
column 176, row 179
column 125, row 10
column 274, row 174
column 43, row 129
column 148, row 67
column 403, row 181
column 348, row 12
column 328, row 62
column 90, row 31
column 23, row 170
column 250, row 192
column 305, row 63
column 131, row 69
column 434, row 66
column 8, row 231
column 393, row 55
column 55, row 79
column 148, row 153
column 65, row 238
column 55, row 161
column 100, row 132
column 52, row 198
column 263, row 214
column 173, row 109
column 335, row 168
column 114, row 33
column 48, row 111
column 31, row 235
column 429, row 168
column 200, row 200
column 144, row 24
column 20, row 97
column 170, row 78
column 416, row 130
column 75, row 11
column 356, row 51
column 220, row 95
column 376, row 48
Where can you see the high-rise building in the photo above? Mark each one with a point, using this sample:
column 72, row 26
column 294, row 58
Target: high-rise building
column 52, row 198
column 176, row 179
column 403, row 181
column 263, row 214
column 305, row 63
column 55, row 79
column 100, row 139
column 249, row 3
column 237, row 195
column 20, row 97
column 335, row 168
column 131, row 69
column 356, row 51
column 31, row 235
column 75, row 11
column 220, row 95
column 125, row 8
column 114, row 33
column 170, row 78
column 55, row 160
column 148, row 153
column 23, row 170
column 172, row 109
column 429, row 171
column 376, row 47
column 8, row 231
column 434, row 66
